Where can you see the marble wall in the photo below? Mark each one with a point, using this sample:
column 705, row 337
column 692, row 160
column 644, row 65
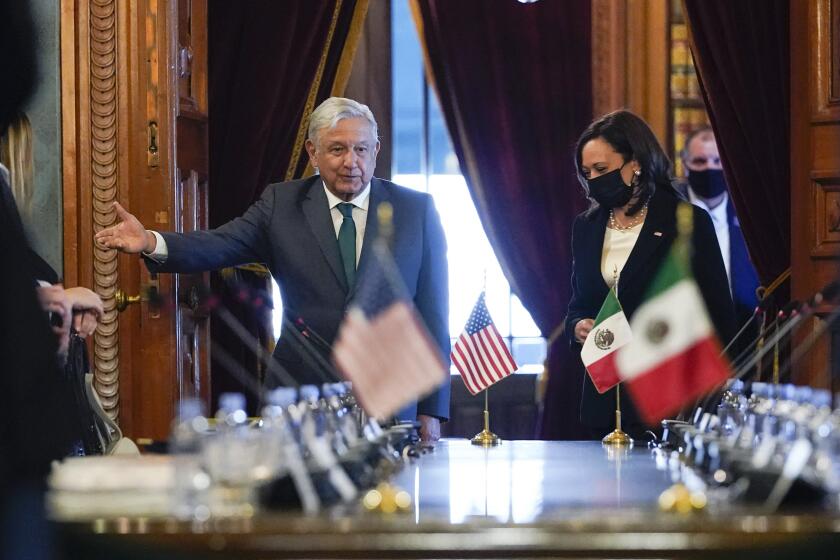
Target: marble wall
column 44, row 220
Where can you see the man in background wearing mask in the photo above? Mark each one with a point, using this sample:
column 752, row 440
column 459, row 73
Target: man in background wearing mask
column 706, row 188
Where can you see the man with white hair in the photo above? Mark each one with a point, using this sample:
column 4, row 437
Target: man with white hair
column 315, row 235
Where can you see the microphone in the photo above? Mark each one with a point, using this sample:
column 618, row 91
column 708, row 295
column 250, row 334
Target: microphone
column 794, row 313
column 317, row 339
column 239, row 373
column 312, row 355
column 827, row 294
column 800, row 351
column 784, row 314
column 759, row 311
column 274, row 368
column 788, row 319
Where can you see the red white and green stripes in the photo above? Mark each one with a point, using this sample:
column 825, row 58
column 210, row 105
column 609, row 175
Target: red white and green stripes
column 610, row 332
column 674, row 356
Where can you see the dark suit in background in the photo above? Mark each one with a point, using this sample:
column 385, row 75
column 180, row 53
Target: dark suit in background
column 291, row 230
column 743, row 280
column 589, row 289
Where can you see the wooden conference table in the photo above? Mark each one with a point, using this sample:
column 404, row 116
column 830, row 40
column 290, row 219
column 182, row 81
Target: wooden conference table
column 523, row 499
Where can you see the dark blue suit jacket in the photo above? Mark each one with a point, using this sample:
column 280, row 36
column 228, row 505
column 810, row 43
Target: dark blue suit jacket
column 743, row 279
column 291, row 230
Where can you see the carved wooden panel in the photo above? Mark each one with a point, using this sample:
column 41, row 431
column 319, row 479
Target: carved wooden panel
column 834, row 49
column 827, row 213
column 825, row 61
column 815, row 173
column 104, row 169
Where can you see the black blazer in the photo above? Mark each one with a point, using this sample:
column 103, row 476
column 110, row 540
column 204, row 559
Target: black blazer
column 743, row 278
column 291, row 230
column 589, row 289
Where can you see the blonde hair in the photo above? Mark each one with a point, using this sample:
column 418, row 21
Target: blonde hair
column 16, row 155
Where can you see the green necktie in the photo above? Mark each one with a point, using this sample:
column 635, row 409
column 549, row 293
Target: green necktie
column 347, row 243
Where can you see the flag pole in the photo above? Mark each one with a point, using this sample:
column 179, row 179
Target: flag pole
column 617, row 437
column 485, row 437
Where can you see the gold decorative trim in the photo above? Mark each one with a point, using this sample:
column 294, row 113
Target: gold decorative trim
column 608, row 53
column 351, row 43
column 313, row 93
column 103, row 146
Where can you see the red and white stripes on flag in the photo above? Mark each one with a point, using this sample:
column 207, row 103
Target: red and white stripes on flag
column 383, row 348
column 480, row 354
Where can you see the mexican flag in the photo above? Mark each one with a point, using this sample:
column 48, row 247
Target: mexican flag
column 610, row 332
column 675, row 356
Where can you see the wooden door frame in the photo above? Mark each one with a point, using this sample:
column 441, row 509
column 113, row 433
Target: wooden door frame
column 117, row 76
column 94, row 117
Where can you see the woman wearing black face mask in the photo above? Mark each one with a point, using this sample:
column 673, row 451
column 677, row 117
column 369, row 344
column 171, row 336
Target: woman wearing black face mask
column 626, row 234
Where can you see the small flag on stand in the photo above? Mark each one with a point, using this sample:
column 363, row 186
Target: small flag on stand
column 480, row 353
column 674, row 356
column 383, row 347
column 610, row 332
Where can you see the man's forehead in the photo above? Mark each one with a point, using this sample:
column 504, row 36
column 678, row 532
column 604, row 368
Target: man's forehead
column 348, row 125
column 703, row 143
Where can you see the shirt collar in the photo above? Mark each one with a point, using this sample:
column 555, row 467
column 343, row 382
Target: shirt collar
column 718, row 213
column 361, row 200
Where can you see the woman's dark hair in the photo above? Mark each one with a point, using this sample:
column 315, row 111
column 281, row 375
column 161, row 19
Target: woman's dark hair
column 631, row 137
column 17, row 59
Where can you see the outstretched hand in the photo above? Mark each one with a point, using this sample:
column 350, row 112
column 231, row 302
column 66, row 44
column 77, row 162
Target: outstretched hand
column 128, row 236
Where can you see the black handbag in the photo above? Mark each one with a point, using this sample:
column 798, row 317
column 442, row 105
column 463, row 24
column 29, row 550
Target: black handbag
column 75, row 368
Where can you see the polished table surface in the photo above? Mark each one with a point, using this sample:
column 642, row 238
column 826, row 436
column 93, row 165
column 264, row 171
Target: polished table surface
column 520, row 499
column 527, row 481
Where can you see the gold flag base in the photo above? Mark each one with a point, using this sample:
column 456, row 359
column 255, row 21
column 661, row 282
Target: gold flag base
column 617, row 437
column 486, row 438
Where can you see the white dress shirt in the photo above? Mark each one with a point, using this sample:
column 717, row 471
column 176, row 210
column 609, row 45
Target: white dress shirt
column 617, row 247
column 360, row 212
column 360, row 209
column 721, row 222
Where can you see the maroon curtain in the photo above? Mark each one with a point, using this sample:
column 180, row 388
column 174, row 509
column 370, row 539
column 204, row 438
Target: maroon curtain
column 265, row 74
column 514, row 82
column 741, row 52
column 263, row 57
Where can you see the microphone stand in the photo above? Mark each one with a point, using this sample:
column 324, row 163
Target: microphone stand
column 808, row 343
column 272, row 366
column 311, row 355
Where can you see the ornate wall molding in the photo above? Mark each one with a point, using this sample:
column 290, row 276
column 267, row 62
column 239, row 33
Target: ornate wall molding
column 104, row 174
column 608, row 55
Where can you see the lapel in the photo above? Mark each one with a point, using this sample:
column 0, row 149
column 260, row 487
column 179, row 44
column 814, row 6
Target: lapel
column 316, row 210
column 658, row 227
column 378, row 193
column 593, row 246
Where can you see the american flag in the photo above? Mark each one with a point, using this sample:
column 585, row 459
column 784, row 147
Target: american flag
column 480, row 354
column 382, row 346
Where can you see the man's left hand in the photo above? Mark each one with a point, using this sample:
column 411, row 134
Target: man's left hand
column 429, row 428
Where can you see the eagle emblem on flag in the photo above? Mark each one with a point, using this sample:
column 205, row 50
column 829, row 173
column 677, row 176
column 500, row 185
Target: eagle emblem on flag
column 604, row 338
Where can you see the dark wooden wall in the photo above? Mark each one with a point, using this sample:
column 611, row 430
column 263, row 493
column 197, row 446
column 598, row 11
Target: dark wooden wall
column 815, row 169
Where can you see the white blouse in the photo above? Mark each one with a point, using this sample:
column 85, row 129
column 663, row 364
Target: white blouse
column 617, row 247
